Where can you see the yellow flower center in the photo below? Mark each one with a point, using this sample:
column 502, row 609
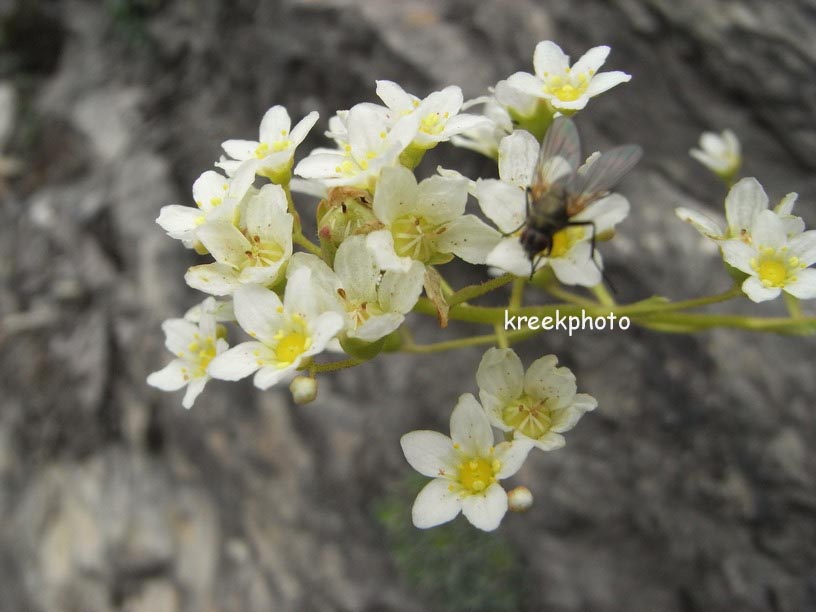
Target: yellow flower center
column 476, row 474
column 433, row 123
column 200, row 353
column 775, row 268
column 567, row 88
column 529, row 416
column 261, row 253
column 291, row 346
column 415, row 237
column 563, row 240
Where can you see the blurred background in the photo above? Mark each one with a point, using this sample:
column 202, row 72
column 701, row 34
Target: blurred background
column 687, row 489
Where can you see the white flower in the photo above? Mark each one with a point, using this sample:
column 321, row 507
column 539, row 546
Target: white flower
column 538, row 405
column 255, row 255
column 438, row 113
column 720, row 153
column 504, row 202
column 195, row 346
column 466, row 469
column 774, row 261
column 373, row 304
column 274, row 150
column 564, row 87
column 743, row 204
column 516, row 103
column 425, row 222
column 485, row 137
column 217, row 199
column 372, row 144
column 286, row 333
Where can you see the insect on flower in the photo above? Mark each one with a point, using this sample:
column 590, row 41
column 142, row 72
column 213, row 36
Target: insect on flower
column 561, row 189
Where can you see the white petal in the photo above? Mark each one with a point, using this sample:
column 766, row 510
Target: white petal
column 377, row 326
column 605, row 81
column 399, row 291
column 543, row 380
column 493, row 407
column 214, row 278
column 356, row 266
column 501, row 374
column 605, row 213
column 526, row 83
column 548, row 58
column 470, row 428
column 548, row 442
column 210, row 185
column 469, row 238
column 267, row 217
column 240, row 149
column 509, row 255
column 275, row 124
column 576, row 267
column 430, row 453
column 703, row 224
column 194, row 389
column 435, row 504
column 785, row 206
column 178, row 334
column 395, row 195
column 239, row 362
column 224, row 242
column 381, row 243
column 302, row 129
column 270, row 376
column 502, row 203
column 511, row 455
column 757, row 292
column 768, row 230
column 744, row 202
column 395, row 96
column 171, row 377
column 464, row 123
column 324, row 328
column 320, row 165
column 258, row 311
column 322, row 282
column 180, row 222
column 803, row 246
column 441, row 199
column 518, row 154
column 738, row 254
column 591, row 60
column 804, row 287
column 486, row 511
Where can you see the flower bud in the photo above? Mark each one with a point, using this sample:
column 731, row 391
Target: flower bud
column 304, row 389
column 519, row 499
column 344, row 213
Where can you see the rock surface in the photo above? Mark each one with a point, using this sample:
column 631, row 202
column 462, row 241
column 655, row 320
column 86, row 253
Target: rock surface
column 688, row 489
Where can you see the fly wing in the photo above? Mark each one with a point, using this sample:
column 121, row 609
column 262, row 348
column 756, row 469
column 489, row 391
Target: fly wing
column 559, row 157
column 604, row 172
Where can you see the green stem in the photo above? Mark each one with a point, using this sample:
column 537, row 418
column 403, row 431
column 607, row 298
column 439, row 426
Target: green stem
column 501, row 336
column 793, row 305
column 517, row 292
column 465, row 294
column 333, row 366
column 602, row 294
column 557, row 291
column 301, row 240
column 449, row 345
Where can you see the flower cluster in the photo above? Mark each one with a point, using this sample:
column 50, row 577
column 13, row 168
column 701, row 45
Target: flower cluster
column 536, row 407
column 384, row 235
column 769, row 247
